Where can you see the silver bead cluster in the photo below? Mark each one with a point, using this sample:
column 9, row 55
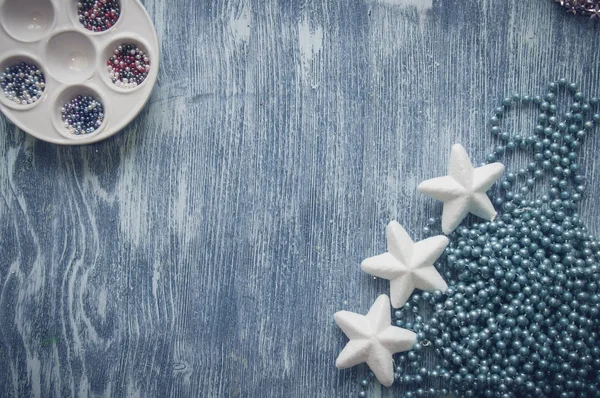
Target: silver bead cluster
column 82, row 115
column 23, row 83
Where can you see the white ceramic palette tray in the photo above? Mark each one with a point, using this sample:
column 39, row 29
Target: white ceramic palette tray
column 55, row 79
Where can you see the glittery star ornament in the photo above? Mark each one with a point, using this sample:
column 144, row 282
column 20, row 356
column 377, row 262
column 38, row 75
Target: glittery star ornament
column 373, row 340
column 407, row 265
column 463, row 190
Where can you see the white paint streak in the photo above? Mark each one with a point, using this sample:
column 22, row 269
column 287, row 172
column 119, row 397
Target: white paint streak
column 33, row 370
column 181, row 206
column 133, row 391
column 240, row 25
column 421, row 4
column 311, row 43
column 264, row 173
column 155, row 278
column 287, row 363
column 102, row 299
column 83, row 387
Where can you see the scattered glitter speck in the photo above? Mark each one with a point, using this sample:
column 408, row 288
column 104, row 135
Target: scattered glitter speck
column 82, row 115
column 23, row 83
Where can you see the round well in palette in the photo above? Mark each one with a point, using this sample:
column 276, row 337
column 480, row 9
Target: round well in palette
column 115, row 50
column 27, row 20
column 70, row 56
column 98, row 15
column 25, row 72
column 65, row 116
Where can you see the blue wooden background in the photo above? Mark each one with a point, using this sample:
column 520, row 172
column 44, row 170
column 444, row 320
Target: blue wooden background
column 204, row 249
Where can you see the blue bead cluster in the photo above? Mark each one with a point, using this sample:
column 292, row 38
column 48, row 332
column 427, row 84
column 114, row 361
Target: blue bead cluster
column 23, row 83
column 521, row 316
column 82, row 115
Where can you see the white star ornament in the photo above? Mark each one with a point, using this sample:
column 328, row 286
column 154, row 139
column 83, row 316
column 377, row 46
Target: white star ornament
column 463, row 190
column 408, row 265
column 373, row 340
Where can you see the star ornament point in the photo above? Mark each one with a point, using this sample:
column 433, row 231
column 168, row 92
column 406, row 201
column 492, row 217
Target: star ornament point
column 373, row 340
column 463, row 190
column 408, row 265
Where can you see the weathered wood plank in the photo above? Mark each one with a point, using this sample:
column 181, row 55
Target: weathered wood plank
column 203, row 250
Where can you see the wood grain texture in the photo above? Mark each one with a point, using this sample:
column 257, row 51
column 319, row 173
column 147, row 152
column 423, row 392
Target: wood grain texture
column 203, row 250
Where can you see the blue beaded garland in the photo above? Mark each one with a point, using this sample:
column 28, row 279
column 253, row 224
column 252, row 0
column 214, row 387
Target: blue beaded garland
column 520, row 317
